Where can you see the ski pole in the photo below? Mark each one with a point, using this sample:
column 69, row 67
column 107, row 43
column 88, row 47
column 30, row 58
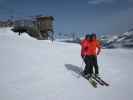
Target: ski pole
column 82, row 65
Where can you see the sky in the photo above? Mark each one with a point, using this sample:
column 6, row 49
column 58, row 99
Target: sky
column 100, row 16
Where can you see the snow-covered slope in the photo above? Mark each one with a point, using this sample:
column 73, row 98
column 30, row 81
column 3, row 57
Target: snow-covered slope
column 40, row 70
column 6, row 33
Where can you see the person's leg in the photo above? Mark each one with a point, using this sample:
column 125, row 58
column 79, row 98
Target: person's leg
column 86, row 65
column 95, row 65
column 89, row 67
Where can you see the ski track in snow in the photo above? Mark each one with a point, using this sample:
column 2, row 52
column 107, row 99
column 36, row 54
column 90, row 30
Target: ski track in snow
column 42, row 70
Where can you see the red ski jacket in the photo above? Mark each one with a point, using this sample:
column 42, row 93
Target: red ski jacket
column 90, row 47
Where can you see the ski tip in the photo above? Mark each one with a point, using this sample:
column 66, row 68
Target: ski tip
column 107, row 84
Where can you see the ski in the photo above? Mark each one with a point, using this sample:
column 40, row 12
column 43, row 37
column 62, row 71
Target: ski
column 91, row 81
column 105, row 83
column 100, row 82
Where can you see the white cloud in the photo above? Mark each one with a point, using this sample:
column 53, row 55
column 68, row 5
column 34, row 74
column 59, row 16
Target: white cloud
column 95, row 2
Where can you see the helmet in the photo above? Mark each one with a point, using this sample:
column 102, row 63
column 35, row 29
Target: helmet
column 93, row 35
column 87, row 36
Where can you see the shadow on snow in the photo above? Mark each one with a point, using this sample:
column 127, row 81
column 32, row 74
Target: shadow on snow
column 74, row 68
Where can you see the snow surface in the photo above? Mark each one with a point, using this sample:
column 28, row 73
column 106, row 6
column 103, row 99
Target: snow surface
column 41, row 70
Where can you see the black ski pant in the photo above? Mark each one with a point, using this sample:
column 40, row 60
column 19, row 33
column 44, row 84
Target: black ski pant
column 90, row 63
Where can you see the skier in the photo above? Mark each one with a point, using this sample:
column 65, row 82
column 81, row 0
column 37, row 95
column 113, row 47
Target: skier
column 83, row 44
column 90, row 48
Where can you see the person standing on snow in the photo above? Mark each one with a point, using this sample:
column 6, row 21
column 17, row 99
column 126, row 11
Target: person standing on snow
column 83, row 44
column 90, row 48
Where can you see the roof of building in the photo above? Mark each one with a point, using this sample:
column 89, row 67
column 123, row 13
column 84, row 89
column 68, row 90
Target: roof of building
column 45, row 17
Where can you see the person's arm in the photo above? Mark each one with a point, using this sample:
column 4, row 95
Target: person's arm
column 98, row 47
column 81, row 42
column 84, row 47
